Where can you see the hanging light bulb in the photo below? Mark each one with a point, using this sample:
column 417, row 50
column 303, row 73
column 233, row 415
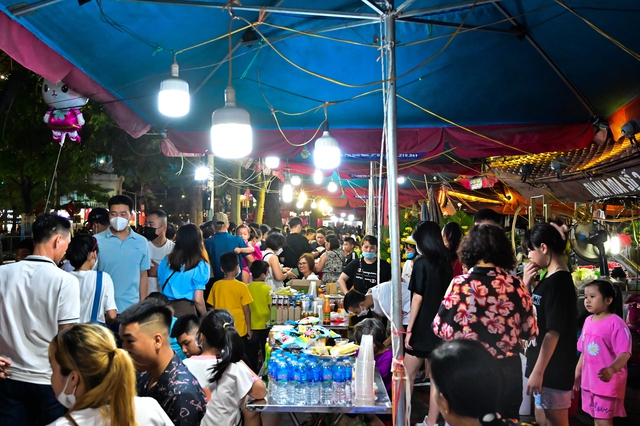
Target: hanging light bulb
column 202, row 173
column 314, row 205
column 174, row 99
column 272, row 162
column 326, row 155
column 317, row 177
column 350, row 217
column 323, row 204
column 295, row 180
column 332, row 187
column 401, row 180
column 287, row 191
column 299, row 204
column 231, row 134
column 302, row 197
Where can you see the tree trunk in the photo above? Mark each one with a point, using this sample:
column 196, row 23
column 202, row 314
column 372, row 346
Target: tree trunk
column 195, row 205
column 272, row 213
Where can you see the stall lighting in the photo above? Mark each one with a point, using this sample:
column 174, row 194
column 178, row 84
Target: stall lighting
column 473, row 198
column 323, row 204
column 314, row 205
column 343, row 214
column 317, row 177
column 302, row 197
column 231, row 134
column 351, row 218
column 287, row 192
column 202, row 173
column 295, row 180
column 401, row 180
column 326, row 155
column 300, row 204
column 272, row 162
column 332, row 187
column 174, row 99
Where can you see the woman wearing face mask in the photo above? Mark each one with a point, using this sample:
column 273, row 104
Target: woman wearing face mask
column 184, row 273
column 431, row 275
column 97, row 300
column 276, row 273
column 96, row 381
column 411, row 253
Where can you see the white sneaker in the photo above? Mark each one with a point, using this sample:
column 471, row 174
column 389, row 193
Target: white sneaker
column 424, row 422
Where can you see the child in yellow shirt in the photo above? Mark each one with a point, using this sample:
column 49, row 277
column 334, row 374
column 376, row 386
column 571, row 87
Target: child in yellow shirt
column 233, row 295
column 260, row 312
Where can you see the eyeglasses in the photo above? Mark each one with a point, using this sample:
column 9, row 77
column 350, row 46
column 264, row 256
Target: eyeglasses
column 302, row 263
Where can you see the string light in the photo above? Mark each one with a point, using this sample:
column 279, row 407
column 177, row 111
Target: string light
column 332, row 187
column 317, row 177
column 295, row 180
column 272, row 162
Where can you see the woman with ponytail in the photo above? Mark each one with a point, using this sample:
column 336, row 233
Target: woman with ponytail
column 226, row 379
column 96, row 381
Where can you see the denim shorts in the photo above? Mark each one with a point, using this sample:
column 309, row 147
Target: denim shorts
column 553, row 399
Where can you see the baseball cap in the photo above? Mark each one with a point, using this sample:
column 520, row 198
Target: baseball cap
column 410, row 240
column 98, row 215
column 220, row 217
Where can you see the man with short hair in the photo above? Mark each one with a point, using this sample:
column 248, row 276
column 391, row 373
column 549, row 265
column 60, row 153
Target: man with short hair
column 144, row 332
column 98, row 220
column 362, row 274
column 37, row 300
column 378, row 300
column 297, row 245
column 124, row 255
column 487, row 217
column 23, row 249
column 184, row 330
column 348, row 248
column 223, row 242
column 159, row 245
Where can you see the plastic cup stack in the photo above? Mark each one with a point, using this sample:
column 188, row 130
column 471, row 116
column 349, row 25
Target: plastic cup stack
column 365, row 367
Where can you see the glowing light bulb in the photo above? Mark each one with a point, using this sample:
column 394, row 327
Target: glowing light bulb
column 317, row 177
column 401, row 180
column 295, row 180
column 272, row 162
column 332, row 187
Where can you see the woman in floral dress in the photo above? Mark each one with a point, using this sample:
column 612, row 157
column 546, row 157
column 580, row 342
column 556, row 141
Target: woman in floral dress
column 491, row 306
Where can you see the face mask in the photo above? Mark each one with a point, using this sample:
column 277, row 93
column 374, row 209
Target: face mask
column 67, row 400
column 363, row 312
column 411, row 255
column 95, row 265
column 119, row 223
column 279, row 251
column 368, row 255
column 149, row 233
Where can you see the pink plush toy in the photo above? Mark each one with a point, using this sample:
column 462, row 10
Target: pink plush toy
column 64, row 118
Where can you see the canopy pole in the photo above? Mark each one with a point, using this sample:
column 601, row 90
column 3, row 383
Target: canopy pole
column 399, row 386
column 371, row 202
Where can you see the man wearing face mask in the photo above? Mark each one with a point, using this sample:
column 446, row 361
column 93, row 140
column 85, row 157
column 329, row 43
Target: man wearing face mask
column 124, row 255
column 362, row 274
column 37, row 300
column 159, row 245
column 378, row 300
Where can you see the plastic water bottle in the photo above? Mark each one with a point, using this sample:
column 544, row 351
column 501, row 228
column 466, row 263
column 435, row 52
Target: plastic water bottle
column 348, row 389
column 327, row 379
column 314, row 378
column 282, row 378
column 272, row 388
column 338, row 387
column 292, row 385
column 300, row 377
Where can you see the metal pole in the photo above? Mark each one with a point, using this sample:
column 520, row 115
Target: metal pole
column 211, row 187
column 394, row 220
column 371, row 205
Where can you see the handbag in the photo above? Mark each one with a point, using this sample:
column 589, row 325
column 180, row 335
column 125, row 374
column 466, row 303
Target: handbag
column 180, row 307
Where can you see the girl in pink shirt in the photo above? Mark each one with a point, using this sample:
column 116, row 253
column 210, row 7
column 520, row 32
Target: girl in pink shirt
column 605, row 344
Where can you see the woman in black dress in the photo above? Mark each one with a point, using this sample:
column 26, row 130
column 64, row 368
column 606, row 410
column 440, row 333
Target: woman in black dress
column 430, row 278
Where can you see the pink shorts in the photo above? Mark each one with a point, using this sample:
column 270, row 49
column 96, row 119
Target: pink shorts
column 602, row 407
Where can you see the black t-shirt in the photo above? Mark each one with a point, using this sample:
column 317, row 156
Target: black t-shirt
column 430, row 280
column 555, row 301
column 297, row 245
column 351, row 257
column 363, row 276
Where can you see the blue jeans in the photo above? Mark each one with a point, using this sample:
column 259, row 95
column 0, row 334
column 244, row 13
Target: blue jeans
column 27, row 403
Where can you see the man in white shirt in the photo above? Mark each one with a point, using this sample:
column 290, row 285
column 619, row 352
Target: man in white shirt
column 159, row 245
column 37, row 300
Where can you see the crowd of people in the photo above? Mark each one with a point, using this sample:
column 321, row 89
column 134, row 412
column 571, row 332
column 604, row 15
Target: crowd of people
column 118, row 327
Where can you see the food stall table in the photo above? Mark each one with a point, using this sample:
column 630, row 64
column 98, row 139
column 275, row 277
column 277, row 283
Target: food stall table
column 381, row 406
